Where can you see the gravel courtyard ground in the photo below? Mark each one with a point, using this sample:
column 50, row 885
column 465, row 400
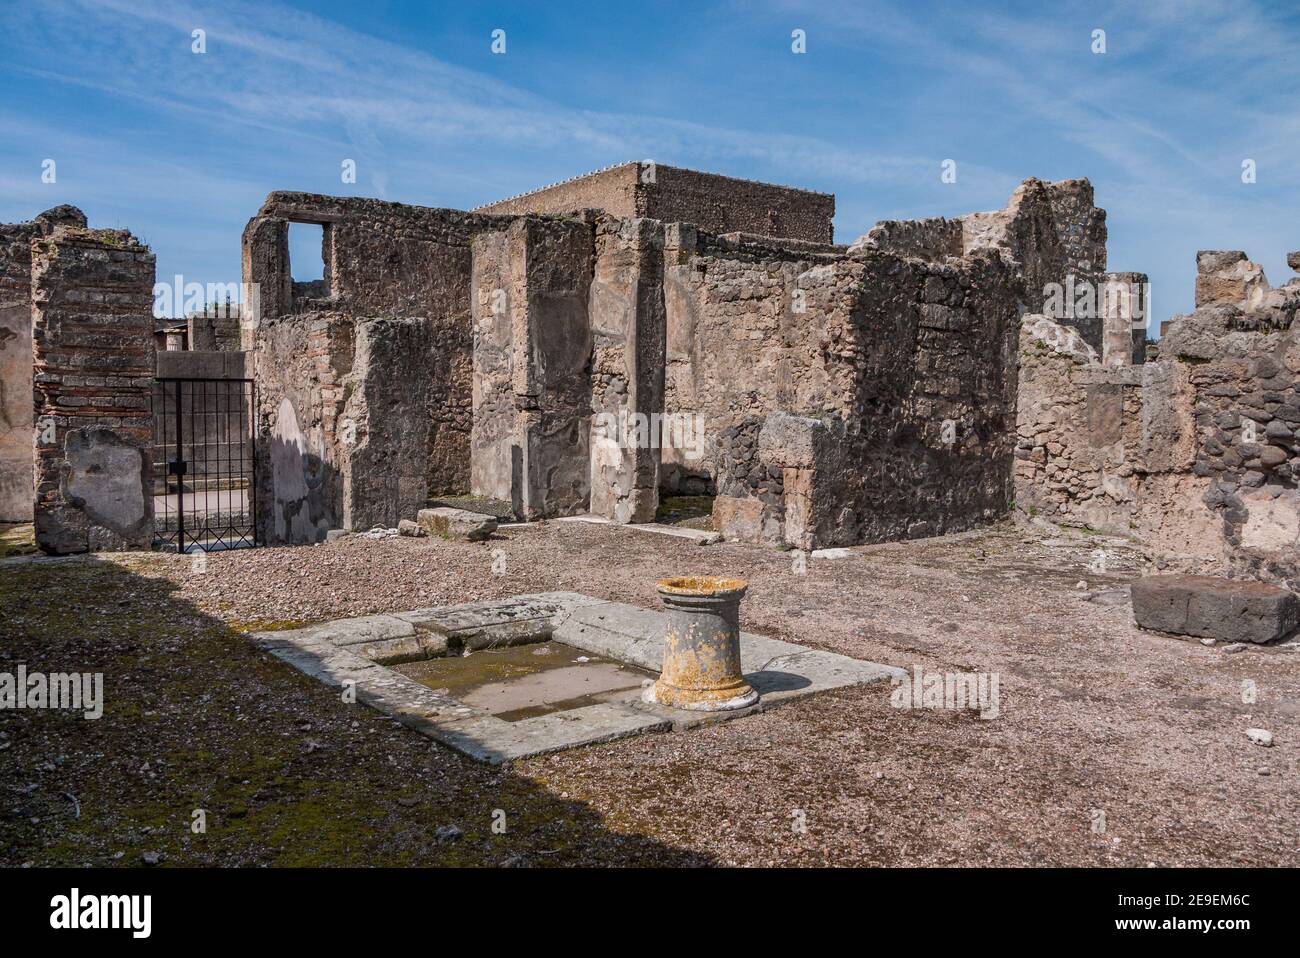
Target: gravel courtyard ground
column 1112, row 746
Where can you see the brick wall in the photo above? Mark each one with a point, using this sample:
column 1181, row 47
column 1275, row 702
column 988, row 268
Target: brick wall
column 92, row 321
column 718, row 204
column 16, row 357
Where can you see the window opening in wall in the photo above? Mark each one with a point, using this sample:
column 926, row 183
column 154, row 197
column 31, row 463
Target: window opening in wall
column 309, row 261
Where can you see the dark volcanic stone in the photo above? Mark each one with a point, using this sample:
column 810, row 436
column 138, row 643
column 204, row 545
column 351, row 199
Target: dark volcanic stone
column 1229, row 610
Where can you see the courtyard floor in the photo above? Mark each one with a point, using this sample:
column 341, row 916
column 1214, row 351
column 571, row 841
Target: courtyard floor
column 1111, row 746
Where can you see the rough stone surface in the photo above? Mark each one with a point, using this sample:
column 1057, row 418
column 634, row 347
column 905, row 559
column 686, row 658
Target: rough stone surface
column 1260, row 736
column 720, row 204
column 1195, row 452
column 532, row 348
column 456, row 523
column 375, row 360
column 629, row 326
column 92, row 329
column 16, row 357
column 908, row 363
column 902, row 348
column 1058, row 237
column 1223, row 609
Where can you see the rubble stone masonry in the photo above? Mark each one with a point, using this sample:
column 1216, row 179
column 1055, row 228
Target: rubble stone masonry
column 1197, row 453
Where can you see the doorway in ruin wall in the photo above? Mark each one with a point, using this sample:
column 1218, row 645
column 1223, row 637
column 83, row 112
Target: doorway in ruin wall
column 204, row 467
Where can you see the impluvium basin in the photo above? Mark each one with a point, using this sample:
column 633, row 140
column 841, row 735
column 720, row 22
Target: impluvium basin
column 701, row 668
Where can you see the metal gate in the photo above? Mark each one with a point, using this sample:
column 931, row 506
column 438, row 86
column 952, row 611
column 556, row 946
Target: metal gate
column 203, row 464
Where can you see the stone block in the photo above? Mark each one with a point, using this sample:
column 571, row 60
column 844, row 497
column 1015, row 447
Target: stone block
column 409, row 527
column 451, row 523
column 792, row 441
column 1273, row 520
column 1228, row 610
column 738, row 518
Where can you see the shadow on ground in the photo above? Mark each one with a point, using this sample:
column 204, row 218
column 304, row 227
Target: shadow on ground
column 285, row 772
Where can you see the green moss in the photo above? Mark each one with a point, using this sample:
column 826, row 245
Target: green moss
column 17, row 540
column 690, row 512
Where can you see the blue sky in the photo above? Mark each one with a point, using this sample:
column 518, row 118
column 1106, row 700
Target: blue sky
column 182, row 148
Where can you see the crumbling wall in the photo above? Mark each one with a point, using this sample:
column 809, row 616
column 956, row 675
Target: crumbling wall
column 629, row 326
column 933, row 353
column 385, row 260
column 932, row 239
column 845, row 398
column 342, row 423
column 1244, row 365
column 1197, row 453
column 1058, row 236
column 1106, row 447
column 745, row 323
column 303, row 439
column 718, row 204
column 92, row 332
column 16, row 357
column 387, row 426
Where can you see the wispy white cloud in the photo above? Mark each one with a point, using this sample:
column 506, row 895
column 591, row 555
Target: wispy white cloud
column 1160, row 123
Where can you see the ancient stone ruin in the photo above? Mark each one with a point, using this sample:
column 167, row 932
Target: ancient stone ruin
column 584, row 362
column 1193, row 451
column 643, row 331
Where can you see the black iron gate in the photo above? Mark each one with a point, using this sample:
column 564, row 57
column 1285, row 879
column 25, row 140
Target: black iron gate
column 203, row 464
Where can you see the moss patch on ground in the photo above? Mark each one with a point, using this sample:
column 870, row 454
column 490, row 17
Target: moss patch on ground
column 210, row 752
column 17, row 539
column 689, row 512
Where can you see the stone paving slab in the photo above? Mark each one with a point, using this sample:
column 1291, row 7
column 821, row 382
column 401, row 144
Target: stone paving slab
column 364, row 628
column 333, row 653
column 491, row 740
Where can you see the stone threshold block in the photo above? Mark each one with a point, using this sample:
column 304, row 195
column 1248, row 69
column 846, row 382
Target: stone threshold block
column 352, row 653
column 701, row 536
column 1228, row 610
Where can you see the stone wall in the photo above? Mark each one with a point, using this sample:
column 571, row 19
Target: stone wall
column 216, row 328
column 1107, row 447
column 343, row 423
column 1196, row 453
column 845, row 398
column 16, row 357
column 745, row 322
column 1058, row 236
column 392, row 261
column 615, row 189
column 629, row 326
column 583, row 362
column 92, row 331
column 932, row 239
column 719, row 204
column 301, row 366
column 532, row 356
